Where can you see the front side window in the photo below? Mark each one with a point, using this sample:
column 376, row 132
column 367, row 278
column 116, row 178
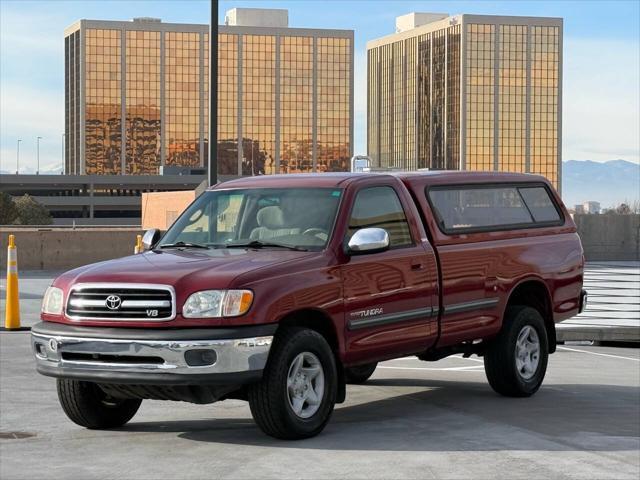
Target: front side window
column 459, row 209
column 295, row 217
column 380, row 207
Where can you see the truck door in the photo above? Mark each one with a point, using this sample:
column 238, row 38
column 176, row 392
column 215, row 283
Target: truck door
column 388, row 296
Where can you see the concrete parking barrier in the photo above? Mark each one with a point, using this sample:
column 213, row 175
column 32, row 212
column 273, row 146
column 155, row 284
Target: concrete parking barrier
column 60, row 248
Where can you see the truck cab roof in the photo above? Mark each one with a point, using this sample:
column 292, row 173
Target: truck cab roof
column 342, row 179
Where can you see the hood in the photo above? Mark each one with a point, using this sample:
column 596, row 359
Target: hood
column 186, row 270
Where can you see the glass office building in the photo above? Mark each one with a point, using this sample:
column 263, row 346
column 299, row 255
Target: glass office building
column 136, row 96
column 467, row 92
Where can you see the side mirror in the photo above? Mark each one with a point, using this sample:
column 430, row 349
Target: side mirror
column 368, row 240
column 150, row 238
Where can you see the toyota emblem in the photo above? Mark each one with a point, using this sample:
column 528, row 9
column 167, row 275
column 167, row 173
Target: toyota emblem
column 113, row 302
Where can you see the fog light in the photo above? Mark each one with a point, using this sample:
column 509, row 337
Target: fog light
column 200, row 358
column 41, row 351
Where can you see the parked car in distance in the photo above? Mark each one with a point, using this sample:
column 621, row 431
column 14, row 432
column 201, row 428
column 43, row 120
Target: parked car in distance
column 282, row 289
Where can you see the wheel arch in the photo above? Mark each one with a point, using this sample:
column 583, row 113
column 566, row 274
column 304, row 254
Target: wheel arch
column 534, row 293
column 321, row 322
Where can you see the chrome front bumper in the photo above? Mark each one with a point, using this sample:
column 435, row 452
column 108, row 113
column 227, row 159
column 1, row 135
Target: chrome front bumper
column 114, row 359
column 583, row 301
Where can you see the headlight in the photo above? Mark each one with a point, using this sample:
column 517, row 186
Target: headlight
column 52, row 301
column 217, row 303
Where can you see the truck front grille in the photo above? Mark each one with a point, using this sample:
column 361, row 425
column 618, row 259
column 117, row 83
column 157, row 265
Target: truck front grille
column 121, row 302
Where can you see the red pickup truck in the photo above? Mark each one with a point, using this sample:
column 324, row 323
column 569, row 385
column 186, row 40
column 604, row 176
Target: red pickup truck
column 280, row 290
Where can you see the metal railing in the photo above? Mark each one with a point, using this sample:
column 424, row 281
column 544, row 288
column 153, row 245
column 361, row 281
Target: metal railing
column 614, row 294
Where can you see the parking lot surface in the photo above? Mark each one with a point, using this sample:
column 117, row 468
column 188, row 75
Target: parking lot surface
column 411, row 420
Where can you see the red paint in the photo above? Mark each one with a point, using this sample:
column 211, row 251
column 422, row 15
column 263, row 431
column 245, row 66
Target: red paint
column 472, row 267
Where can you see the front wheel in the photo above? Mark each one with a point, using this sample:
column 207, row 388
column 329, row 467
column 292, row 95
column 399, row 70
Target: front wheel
column 297, row 393
column 88, row 406
column 516, row 360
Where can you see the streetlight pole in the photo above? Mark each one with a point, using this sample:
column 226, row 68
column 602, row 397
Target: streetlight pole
column 212, row 170
column 18, row 157
column 62, row 157
column 38, row 154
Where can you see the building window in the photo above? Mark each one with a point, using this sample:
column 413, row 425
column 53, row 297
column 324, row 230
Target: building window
column 258, row 104
column 480, row 96
column 544, row 102
column 424, row 101
column 373, row 103
column 103, row 115
column 512, row 98
column 411, row 51
column 334, row 104
column 438, row 78
column 182, row 99
column 296, row 104
column 453, row 98
column 143, row 144
column 386, row 110
column 227, row 101
column 398, row 158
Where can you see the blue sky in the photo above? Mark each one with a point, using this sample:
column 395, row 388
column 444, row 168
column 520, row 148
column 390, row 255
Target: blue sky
column 601, row 71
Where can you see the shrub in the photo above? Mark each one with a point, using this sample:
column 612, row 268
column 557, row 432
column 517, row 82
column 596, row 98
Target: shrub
column 31, row 212
column 8, row 210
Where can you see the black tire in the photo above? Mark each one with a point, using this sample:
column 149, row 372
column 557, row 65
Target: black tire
column 500, row 359
column 359, row 373
column 88, row 406
column 269, row 398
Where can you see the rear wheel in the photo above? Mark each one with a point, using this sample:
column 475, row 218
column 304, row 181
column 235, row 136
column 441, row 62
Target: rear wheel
column 516, row 360
column 359, row 373
column 297, row 393
column 88, row 406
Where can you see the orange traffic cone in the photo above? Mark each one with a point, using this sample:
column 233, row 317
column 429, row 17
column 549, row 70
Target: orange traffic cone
column 12, row 305
column 138, row 248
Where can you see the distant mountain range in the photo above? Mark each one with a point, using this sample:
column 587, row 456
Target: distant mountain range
column 609, row 183
column 50, row 169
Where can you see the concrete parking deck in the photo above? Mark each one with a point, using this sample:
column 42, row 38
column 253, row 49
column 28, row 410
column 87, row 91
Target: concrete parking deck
column 412, row 420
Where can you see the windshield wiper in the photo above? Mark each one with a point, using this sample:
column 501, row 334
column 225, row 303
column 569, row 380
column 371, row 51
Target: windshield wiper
column 261, row 244
column 184, row 245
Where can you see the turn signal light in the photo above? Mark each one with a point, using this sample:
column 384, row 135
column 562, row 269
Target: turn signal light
column 237, row 302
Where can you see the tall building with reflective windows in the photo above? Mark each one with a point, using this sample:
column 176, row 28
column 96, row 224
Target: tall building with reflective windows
column 467, row 92
column 136, row 96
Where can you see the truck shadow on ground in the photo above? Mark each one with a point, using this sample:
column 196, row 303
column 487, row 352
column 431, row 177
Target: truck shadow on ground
column 451, row 416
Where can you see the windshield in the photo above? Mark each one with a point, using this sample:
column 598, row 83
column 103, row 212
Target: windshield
column 300, row 218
